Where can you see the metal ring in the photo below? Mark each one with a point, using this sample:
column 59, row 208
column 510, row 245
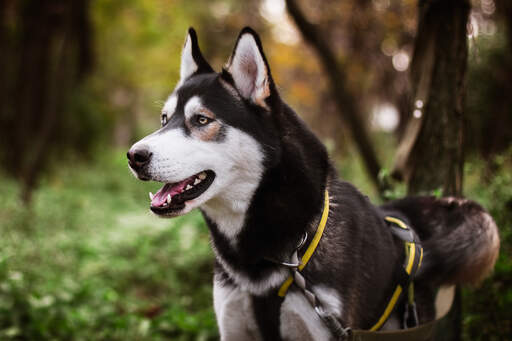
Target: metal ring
column 303, row 241
column 289, row 265
column 319, row 310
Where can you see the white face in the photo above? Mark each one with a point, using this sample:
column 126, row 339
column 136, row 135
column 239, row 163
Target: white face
column 232, row 156
column 203, row 161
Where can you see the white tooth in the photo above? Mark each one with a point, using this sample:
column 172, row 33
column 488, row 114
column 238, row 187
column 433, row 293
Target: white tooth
column 169, row 198
column 196, row 181
column 188, row 187
column 202, row 176
column 151, row 195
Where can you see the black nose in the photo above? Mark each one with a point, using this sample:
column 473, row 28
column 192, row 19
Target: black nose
column 138, row 158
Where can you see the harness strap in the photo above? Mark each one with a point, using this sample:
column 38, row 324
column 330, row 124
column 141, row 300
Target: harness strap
column 412, row 262
column 413, row 258
column 424, row 332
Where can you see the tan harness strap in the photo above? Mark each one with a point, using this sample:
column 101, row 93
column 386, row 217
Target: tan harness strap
column 424, row 332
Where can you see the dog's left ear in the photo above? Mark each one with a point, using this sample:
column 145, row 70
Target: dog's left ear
column 192, row 61
column 249, row 68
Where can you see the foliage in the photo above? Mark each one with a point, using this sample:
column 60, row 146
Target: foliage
column 89, row 262
column 489, row 106
column 488, row 307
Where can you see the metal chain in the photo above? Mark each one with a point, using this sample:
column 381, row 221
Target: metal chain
column 329, row 319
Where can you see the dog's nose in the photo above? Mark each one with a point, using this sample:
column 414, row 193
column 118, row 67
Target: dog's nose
column 138, row 157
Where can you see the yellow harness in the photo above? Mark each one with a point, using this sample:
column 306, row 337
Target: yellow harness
column 413, row 258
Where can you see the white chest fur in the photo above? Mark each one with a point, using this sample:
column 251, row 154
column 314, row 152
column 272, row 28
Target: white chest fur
column 234, row 312
column 236, row 320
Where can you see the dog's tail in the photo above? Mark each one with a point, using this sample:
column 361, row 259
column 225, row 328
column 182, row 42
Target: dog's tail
column 460, row 239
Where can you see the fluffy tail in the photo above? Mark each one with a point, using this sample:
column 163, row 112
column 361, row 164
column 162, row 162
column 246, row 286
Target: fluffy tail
column 460, row 239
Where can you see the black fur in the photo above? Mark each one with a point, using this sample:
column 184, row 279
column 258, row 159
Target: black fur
column 202, row 64
column 266, row 310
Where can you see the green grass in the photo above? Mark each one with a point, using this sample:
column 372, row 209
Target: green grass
column 88, row 261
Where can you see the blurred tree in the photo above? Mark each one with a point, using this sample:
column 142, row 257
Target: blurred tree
column 47, row 46
column 504, row 11
column 342, row 94
column 430, row 156
column 489, row 106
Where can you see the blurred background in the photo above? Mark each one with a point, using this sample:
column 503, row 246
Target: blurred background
column 382, row 82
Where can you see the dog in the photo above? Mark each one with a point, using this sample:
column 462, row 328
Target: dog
column 230, row 146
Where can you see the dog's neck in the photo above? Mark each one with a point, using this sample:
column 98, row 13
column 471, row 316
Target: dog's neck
column 248, row 227
column 228, row 211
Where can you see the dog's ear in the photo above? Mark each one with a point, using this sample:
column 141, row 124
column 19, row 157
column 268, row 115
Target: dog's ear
column 192, row 61
column 249, row 69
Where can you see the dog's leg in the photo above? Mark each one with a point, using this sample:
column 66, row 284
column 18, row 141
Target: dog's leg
column 234, row 312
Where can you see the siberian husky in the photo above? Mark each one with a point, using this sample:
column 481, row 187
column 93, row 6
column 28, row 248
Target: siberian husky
column 231, row 147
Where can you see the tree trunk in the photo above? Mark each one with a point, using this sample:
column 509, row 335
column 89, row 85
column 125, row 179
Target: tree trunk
column 504, row 10
column 46, row 46
column 340, row 92
column 430, row 156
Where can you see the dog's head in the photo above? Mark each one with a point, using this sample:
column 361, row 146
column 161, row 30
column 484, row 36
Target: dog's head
column 218, row 132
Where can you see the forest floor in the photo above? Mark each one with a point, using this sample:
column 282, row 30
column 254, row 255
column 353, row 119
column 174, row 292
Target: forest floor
column 88, row 261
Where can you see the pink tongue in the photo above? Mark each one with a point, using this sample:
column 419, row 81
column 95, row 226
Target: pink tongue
column 172, row 189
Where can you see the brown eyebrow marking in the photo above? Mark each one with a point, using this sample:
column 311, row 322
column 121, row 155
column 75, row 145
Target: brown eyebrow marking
column 210, row 132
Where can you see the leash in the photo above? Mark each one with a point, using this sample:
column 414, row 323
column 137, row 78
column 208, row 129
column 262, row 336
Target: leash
column 412, row 262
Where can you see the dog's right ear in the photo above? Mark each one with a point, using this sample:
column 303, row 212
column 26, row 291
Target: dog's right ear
column 192, row 61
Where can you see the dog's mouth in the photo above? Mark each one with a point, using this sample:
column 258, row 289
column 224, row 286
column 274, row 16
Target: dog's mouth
column 171, row 198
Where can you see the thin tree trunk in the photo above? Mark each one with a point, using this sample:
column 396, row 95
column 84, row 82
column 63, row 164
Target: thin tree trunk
column 344, row 99
column 430, row 156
